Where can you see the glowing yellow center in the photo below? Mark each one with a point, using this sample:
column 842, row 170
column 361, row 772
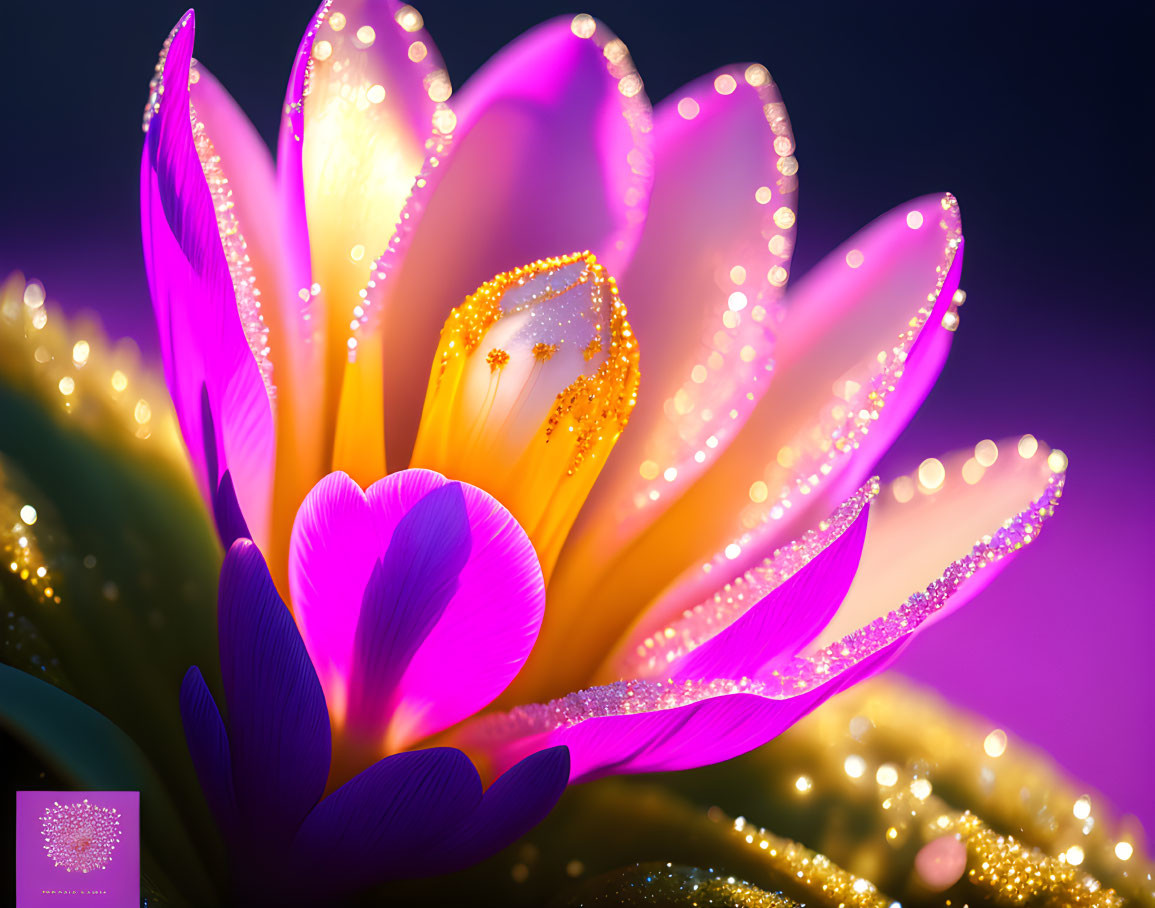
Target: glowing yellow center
column 534, row 380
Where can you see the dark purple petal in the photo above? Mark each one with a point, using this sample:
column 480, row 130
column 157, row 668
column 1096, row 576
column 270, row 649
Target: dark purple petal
column 278, row 724
column 230, row 521
column 208, row 745
column 406, row 596
column 382, row 823
column 519, row 800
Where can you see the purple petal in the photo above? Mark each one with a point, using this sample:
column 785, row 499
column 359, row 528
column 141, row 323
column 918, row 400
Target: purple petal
column 848, row 347
column 932, row 518
column 835, row 403
column 208, row 745
column 643, row 726
column 406, row 596
column 652, row 726
column 488, row 625
column 278, row 726
column 203, row 342
column 519, row 800
column 382, row 824
column 747, row 619
column 715, row 250
column 334, row 546
column 551, row 153
column 230, row 521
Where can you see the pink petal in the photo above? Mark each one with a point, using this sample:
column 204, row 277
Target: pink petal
column 646, row 726
column 772, row 610
column 915, row 529
column 703, row 289
column 485, row 633
column 549, row 156
column 407, row 593
column 210, row 329
column 279, row 271
column 650, row 726
column 359, row 108
column 850, row 332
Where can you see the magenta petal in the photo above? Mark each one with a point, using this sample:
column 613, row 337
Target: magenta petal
column 549, row 156
column 749, row 618
column 653, row 726
column 645, row 725
column 361, row 101
column 406, row 596
column 203, row 343
column 290, row 184
column 703, row 289
column 383, row 823
column 864, row 340
column 790, row 616
column 333, row 549
column 488, row 625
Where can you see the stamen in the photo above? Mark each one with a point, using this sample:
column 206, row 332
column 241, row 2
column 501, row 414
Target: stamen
column 534, row 380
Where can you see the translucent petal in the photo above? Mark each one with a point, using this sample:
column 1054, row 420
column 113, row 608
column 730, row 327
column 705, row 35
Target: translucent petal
column 858, row 334
column 549, row 155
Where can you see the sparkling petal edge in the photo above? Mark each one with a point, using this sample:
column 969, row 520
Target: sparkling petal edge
column 798, row 676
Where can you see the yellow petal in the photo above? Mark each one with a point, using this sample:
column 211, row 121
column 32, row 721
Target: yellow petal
column 534, row 379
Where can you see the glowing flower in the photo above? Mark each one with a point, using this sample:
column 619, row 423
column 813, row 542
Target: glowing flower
column 302, row 310
column 414, row 813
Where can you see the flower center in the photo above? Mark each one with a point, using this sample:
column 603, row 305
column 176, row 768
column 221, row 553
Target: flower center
column 534, row 379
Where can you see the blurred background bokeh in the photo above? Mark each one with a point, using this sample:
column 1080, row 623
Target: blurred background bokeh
column 1036, row 117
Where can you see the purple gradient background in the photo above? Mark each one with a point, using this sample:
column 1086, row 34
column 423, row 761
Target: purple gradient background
column 119, row 880
column 1037, row 121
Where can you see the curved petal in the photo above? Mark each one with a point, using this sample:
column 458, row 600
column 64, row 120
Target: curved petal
column 227, row 511
column 549, row 156
column 211, row 336
column 334, row 546
column 208, row 745
column 278, row 728
column 644, row 726
column 515, row 803
column 1002, row 492
column 703, row 288
column 279, row 274
column 408, row 591
column 860, row 332
column 770, row 611
column 365, row 86
column 383, row 823
column 487, row 627
column 651, row 726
